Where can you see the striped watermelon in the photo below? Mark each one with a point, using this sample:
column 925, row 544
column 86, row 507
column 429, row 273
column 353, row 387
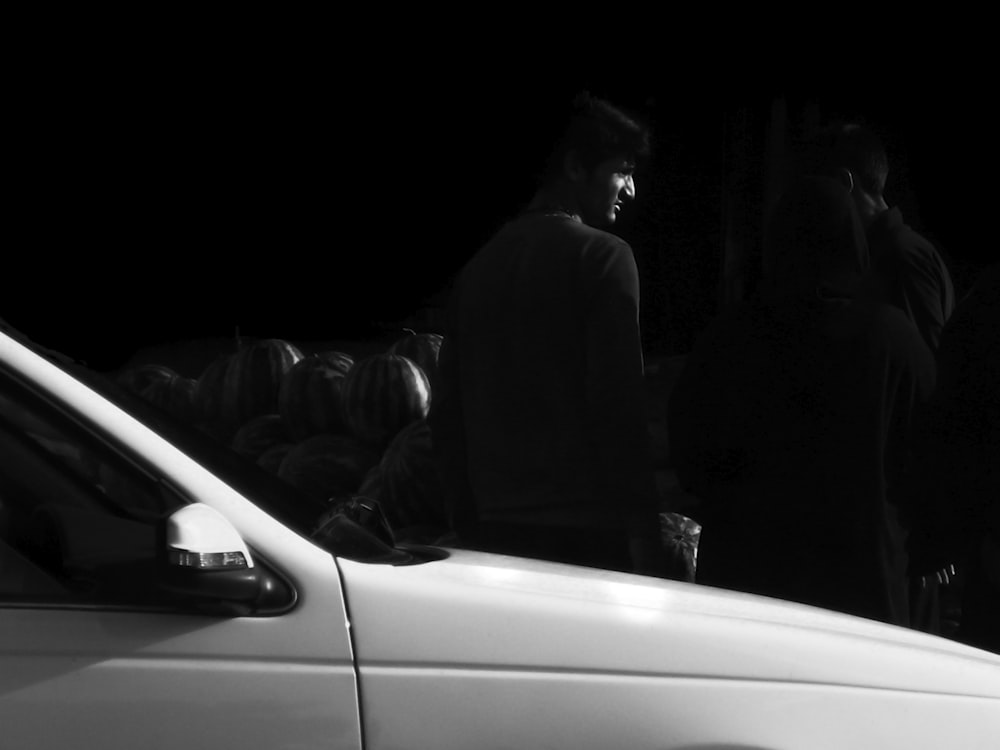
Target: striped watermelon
column 309, row 398
column 140, row 378
column 253, row 378
column 216, row 430
column 326, row 466
column 422, row 348
column 382, row 394
column 183, row 399
column 208, row 394
column 163, row 387
column 407, row 486
column 339, row 360
column 260, row 433
column 270, row 458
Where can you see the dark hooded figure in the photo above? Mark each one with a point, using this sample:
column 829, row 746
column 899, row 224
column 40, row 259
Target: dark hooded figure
column 790, row 421
column 956, row 499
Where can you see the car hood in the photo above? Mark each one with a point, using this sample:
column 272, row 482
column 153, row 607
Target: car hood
column 487, row 611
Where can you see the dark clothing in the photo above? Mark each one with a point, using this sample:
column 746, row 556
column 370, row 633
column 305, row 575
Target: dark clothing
column 540, row 418
column 790, row 419
column 909, row 273
column 957, row 516
column 789, row 423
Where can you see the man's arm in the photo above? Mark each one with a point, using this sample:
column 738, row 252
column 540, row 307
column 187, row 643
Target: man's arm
column 918, row 283
column 619, row 422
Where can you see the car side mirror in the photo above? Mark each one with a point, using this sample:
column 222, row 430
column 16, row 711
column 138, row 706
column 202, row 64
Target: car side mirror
column 207, row 561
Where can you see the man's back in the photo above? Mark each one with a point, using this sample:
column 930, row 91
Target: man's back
column 911, row 275
column 549, row 367
column 790, row 421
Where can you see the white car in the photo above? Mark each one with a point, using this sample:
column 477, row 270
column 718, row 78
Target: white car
column 154, row 596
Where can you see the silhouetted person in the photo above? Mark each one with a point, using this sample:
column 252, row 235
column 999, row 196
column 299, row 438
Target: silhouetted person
column 906, row 269
column 539, row 420
column 790, row 417
column 957, row 462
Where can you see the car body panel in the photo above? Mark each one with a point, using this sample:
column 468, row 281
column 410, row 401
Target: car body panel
column 220, row 682
column 510, row 709
column 666, row 664
column 130, row 680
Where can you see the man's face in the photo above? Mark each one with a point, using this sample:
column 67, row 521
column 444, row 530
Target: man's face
column 604, row 191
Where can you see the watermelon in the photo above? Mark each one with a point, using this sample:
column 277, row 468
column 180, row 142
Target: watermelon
column 253, row 379
column 216, row 431
column 260, row 433
column 208, row 394
column 383, row 393
column 327, row 466
column 422, row 348
column 309, row 397
column 270, row 458
column 337, row 359
column 183, row 399
column 140, row 378
column 406, row 485
column 163, row 387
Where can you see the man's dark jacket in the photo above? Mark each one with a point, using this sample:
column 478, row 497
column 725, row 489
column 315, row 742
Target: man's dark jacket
column 540, row 417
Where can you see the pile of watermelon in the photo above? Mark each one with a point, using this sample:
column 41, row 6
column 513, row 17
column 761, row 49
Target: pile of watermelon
column 332, row 424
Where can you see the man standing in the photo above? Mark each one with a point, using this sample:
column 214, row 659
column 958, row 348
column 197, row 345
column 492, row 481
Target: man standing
column 957, row 460
column 906, row 269
column 791, row 417
column 539, row 422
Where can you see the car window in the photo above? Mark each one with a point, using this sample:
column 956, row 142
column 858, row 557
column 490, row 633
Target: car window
column 79, row 523
column 85, row 483
column 286, row 503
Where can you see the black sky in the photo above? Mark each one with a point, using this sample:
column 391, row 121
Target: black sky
column 164, row 200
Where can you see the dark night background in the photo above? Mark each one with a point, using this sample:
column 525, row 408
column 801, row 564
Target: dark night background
column 273, row 190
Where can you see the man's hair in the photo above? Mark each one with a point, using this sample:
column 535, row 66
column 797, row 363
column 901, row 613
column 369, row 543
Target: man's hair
column 597, row 130
column 849, row 145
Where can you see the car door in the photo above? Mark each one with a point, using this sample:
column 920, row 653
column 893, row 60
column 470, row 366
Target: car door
column 94, row 653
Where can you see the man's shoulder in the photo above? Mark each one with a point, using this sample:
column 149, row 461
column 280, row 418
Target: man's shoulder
column 601, row 240
column 891, row 233
column 560, row 230
column 897, row 245
column 572, row 226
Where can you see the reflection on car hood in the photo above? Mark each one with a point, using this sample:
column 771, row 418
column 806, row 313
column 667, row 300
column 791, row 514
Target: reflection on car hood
column 496, row 612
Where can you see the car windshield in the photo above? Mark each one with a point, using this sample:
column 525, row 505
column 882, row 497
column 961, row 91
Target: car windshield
column 281, row 499
column 286, row 502
column 358, row 492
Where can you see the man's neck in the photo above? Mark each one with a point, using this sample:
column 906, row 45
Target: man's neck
column 556, row 199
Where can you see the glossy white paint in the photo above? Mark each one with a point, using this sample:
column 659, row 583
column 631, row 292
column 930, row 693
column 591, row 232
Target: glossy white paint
column 511, row 650
column 98, row 679
column 120, row 681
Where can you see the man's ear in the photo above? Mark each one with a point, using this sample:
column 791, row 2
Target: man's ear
column 846, row 177
column 573, row 166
